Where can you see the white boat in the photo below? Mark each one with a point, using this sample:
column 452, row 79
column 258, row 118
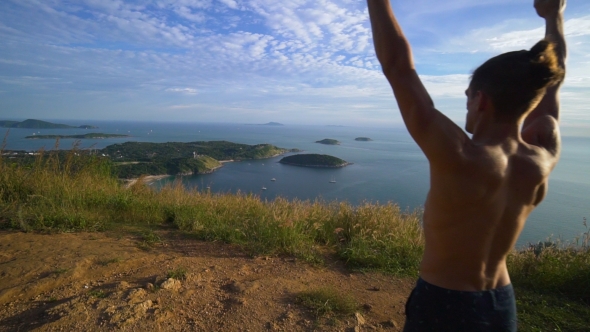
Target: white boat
column 333, row 180
column 273, row 179
column 263, row 188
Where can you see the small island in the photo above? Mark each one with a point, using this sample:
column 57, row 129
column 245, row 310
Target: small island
column 328, row 141
column 84, row 136
column 314, row 160
column 363, row 139
column 39, row 124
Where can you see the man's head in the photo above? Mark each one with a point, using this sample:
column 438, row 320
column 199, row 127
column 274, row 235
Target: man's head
column 514, row 82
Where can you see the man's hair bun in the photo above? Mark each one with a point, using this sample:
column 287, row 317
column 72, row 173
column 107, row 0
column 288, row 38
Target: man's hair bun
column 544, row 70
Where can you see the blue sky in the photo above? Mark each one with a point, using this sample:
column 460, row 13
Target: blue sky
column 254, row 61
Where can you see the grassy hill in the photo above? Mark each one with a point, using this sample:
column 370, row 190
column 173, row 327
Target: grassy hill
column 69, row 191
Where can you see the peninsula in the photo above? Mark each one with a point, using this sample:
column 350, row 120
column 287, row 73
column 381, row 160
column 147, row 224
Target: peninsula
column 133, row 159
column 314, row 160
column 39, row 124
column 363, row 139
column 84, row 136
column 328, row 141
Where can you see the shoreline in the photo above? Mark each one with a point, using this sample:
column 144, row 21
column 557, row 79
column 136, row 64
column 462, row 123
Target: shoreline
column 148, row 179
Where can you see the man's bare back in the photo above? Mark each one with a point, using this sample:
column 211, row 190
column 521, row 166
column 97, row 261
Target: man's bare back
column 476, row 210
column 482, row 188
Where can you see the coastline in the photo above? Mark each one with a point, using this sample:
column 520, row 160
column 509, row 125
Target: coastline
column 148, row 179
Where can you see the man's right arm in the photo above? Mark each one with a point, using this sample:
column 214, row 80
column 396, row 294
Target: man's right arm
column 439, row 138
column 541, row 125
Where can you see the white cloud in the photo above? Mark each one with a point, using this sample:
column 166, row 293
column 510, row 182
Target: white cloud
column 188, row 91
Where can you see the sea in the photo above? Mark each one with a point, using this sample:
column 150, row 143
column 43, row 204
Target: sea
column 390, row 168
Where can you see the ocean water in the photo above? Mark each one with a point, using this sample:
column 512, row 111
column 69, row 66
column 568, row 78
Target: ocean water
column 389, row 168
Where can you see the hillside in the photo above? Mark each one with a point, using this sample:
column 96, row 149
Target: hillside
column 79, row 250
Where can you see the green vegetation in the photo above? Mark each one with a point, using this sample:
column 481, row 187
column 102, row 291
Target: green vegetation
column 363, row 139
column 328, row 301
column 328, row 141
column 84, row 136
column 97, row 293
column 38, row 124
column 314, row 160
column 59, row 191
column 178, row 274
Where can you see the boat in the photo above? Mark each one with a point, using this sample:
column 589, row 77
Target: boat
column 273, row 179
column 263, row 188
column 333, row 180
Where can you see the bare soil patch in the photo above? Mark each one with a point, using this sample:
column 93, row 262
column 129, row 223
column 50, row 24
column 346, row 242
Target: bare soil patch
column 106, row 281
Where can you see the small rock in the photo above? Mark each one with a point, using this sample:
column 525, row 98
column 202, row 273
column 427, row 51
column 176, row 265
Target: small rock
column 374, row 289
column 136, row 295
column 171, row 284
column 367, row 306
column 359, row 319
column 149, row 286
column 390, row 323
column 122, row 285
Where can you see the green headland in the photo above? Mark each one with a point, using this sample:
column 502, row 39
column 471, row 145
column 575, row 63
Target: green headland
column 133, row 159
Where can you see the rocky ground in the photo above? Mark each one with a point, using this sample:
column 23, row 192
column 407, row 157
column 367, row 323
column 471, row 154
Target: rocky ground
column 117, row 281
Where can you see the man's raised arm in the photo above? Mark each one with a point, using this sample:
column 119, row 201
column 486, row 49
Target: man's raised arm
column 534, row 127
column 436, row 135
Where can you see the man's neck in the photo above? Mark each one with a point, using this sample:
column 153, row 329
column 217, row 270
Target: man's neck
column 494, row 133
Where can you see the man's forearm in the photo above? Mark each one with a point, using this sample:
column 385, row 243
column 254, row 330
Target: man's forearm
column 391, row 46
column 554, row 33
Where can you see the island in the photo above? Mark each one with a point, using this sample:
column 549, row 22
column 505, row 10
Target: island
column 267, row 124
column 39, row 124
column 363, row 139
column 84, row 136
column 133, row 159
column 328, row 141
column 314, row 160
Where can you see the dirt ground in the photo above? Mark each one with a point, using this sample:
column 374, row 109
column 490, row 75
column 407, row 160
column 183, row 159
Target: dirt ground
column 106, row 282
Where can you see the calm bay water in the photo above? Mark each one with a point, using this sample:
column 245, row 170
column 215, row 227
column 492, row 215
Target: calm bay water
column 389, row 168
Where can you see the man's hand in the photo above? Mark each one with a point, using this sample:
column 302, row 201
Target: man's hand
column 548, row 8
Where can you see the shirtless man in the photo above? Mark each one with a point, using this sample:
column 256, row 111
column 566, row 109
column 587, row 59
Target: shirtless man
column 483, row 187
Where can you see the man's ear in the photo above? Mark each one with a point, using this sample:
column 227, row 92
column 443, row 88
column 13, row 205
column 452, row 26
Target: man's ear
column 483, row 101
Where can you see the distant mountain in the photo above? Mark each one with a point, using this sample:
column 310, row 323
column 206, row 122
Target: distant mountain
column 38, row 124
column 267, row 124
column 85, row 136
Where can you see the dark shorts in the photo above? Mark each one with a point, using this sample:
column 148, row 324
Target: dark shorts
column 433, row 308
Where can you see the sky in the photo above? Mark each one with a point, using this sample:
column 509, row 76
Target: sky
column 256, row 61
